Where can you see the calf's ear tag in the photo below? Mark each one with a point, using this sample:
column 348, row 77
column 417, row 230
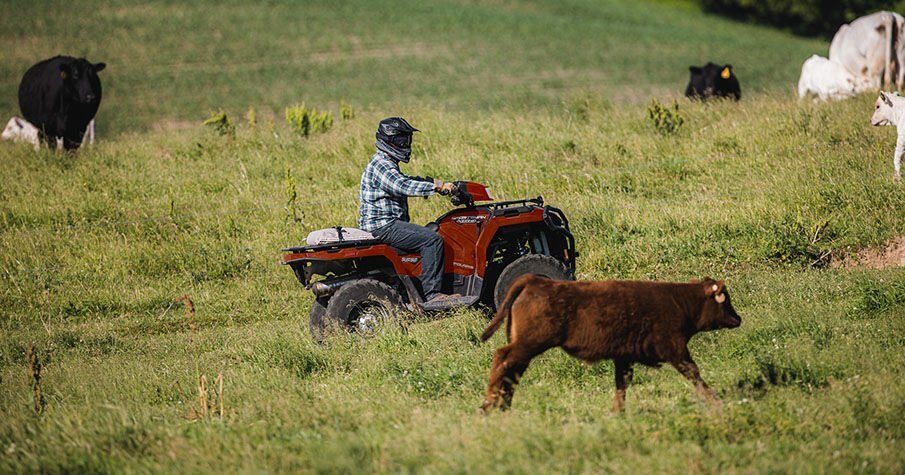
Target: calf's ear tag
column 716, row 287
column 725, row 74
column 63, row 74
column 720, row 298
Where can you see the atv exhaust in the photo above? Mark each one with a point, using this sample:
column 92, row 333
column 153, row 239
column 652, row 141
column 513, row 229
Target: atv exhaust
column 322, row 290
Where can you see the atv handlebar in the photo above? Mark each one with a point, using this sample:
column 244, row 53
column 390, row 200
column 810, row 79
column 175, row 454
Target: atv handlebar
column 464, row 192
column 467, row 192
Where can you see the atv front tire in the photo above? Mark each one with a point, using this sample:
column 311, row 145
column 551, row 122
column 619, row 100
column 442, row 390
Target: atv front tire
column 359, row 307
column 544, row 266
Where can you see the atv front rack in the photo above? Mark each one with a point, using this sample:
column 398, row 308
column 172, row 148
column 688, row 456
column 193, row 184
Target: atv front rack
column 539, row 201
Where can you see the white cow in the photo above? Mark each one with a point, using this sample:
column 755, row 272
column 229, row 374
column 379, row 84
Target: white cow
column 829, row 80
column 873, row 46
column 890, row 110
column 21, row 130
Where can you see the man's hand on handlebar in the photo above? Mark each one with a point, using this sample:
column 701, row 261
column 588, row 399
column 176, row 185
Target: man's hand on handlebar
column 442, row 187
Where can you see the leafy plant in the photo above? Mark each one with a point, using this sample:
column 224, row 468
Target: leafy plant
column 345, row 110
column 308, row 121
column 252, row 117
column 221, row 123
column 667, row 121
column 292, row 196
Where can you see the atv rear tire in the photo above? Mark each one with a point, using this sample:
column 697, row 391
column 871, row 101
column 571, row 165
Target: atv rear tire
column 359, row 307
column 539, row 264
column 317, row 319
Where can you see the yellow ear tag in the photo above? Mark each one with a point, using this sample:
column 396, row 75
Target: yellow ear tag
column 720, row 298
column 63, row 74
column 725, row 74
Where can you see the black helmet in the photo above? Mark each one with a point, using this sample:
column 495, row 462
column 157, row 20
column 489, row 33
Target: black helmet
column 394, row 138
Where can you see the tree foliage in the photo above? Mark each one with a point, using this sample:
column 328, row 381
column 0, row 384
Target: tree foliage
column 807, row 17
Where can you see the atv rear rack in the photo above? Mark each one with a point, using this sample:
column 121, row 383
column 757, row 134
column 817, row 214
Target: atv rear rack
column 332, row 246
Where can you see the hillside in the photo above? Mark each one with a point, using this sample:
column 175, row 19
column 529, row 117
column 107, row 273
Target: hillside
column 174, row 61
column 782, row 199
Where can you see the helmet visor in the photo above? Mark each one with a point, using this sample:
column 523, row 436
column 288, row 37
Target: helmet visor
column 401, row 141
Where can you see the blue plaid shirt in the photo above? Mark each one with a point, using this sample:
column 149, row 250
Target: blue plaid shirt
column 384, row 192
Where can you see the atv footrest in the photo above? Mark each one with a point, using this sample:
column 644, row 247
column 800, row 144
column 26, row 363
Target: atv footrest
column 449, row 303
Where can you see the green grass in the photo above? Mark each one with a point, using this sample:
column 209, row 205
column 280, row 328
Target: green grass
column 95, row 248
column 169, row 62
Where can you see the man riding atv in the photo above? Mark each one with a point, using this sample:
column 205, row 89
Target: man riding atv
column 384, row 206
column 360, row 278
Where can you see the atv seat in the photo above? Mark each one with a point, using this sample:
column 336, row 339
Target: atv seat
column 337, row 234
column 339, row 238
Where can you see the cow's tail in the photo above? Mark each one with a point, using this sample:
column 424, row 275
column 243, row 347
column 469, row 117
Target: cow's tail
column 505, row 309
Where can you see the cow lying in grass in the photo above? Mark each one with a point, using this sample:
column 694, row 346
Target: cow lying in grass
column 20, row 130
column 890, row 110
column 627, row 321
column 829, row 80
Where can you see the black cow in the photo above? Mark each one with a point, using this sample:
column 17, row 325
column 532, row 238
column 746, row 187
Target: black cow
column 712, row 80
column 60, row 96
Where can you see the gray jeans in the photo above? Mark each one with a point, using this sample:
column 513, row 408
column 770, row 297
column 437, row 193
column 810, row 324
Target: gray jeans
column 413, row 238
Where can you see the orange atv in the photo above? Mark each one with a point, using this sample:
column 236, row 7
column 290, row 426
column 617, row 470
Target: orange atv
column 358, row 282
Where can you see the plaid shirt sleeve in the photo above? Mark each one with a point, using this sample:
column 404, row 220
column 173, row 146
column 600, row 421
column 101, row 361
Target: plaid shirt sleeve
column 394, row 182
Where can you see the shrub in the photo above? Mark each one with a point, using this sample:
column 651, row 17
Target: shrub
column 221, row 123
column 321, row 122
column 252, row 117
column 345, row 111
column 297, row 117
column 306, row 121
column 667, row 121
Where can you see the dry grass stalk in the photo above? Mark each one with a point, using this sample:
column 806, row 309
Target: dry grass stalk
column 202, row 396
column 34, row 367
column 219, row 383
column 206, row 405
column 189, row 312
column 209, row 404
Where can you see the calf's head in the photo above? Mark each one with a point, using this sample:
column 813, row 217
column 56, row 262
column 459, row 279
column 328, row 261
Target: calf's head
column 80, row 81
column 13, row 128
column 884, row 114
column 19, row 129
column 717, row 311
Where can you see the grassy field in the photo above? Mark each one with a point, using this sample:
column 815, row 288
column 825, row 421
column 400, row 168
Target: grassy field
column 170, row 62
column 96, row 248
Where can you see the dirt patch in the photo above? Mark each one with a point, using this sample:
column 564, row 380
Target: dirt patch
column 890, row 254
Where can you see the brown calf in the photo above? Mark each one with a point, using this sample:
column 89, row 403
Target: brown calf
column 627, row 321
